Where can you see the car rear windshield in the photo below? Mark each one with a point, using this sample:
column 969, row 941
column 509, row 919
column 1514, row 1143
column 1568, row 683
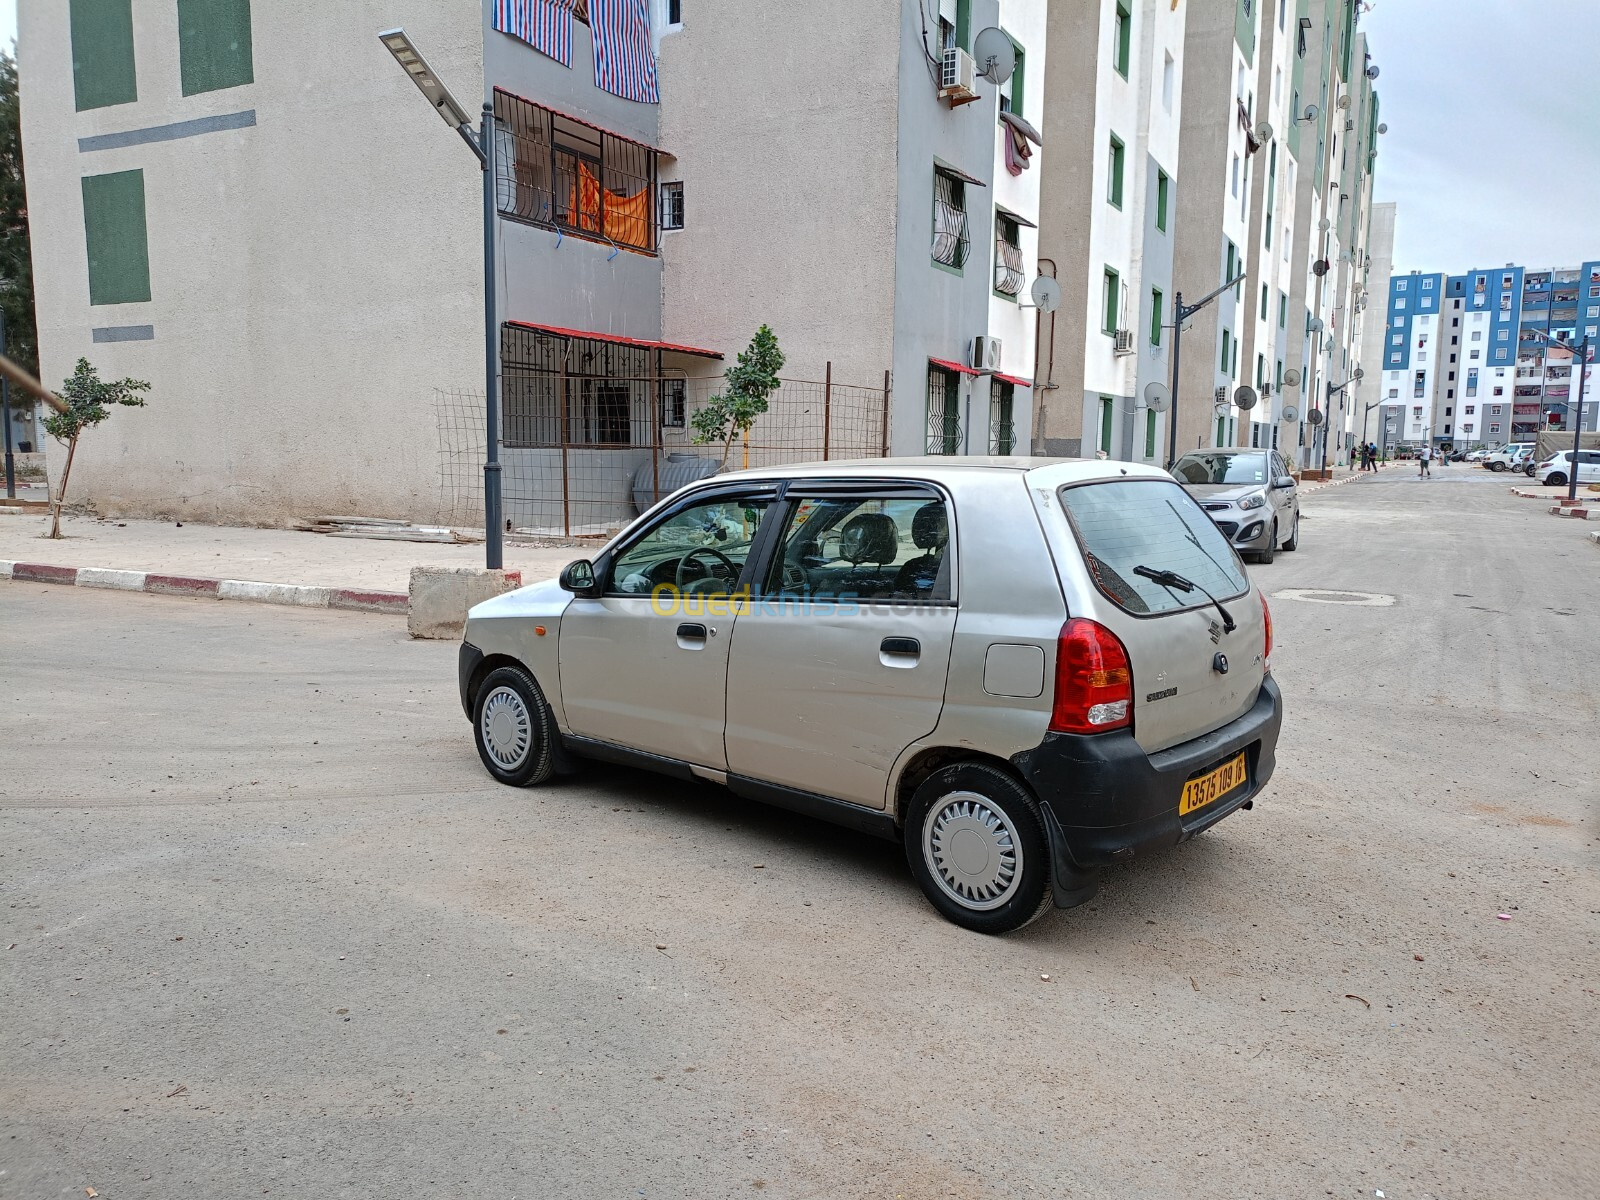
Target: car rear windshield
column 1130, row 523
column 1221, row 468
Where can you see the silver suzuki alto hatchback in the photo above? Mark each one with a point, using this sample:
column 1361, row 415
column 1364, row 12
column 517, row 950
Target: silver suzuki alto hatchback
column 1022, row 669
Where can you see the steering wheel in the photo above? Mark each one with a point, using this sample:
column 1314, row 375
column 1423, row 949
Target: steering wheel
column 706, row 572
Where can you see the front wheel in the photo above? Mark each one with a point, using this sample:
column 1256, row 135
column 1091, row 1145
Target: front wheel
column 513, row 727
column 1497, row 466
column 975, row 841
column 1265, row 556
column 1294, row 535
column 1554, row 479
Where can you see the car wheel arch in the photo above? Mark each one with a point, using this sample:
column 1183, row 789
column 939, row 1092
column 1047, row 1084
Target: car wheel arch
column 930, row 759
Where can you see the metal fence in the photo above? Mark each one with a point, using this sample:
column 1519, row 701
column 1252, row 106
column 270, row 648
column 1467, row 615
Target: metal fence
column 581, row 456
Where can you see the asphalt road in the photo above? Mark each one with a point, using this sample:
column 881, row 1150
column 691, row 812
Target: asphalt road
column 270, row 930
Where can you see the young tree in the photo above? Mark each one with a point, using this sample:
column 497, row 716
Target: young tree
column 752, row 379
column 87, row 398
column 16, row 265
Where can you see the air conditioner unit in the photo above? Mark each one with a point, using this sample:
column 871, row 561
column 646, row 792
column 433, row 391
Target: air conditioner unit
column 958, row 78
column 1124, row 342
column 1266, row 389
column 985, row 353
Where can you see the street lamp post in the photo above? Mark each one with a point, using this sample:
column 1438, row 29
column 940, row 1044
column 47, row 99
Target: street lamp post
column 399, row 44
column 1574, row 406
column 1327, row 408
column 1182, row 312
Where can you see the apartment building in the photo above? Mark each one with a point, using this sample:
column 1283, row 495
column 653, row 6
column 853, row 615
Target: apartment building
column 1108, row 215
column 1369, row 411
column 1492, row 377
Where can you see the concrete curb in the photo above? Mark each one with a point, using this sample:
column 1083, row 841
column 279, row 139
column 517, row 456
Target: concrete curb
column 1552, row 496
column 1561, row 510
column 1595, row 537
column 296, row 595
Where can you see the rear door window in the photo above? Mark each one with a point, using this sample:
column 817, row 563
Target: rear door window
column 1129, row 523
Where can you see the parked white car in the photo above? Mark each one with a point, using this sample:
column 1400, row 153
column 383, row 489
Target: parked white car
column 1509, row 457
column 1556, row 471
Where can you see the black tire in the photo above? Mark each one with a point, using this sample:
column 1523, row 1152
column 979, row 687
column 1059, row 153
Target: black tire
column 1294, row 535
column 524, row 752
column 967, row 797
column 1265, row 556
column 1556, row 479
column 1497, row 466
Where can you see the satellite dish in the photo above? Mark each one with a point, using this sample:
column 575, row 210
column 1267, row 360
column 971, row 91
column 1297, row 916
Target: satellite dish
column 1263, row 133
column 1290, row 413
column 1157, row 398
column 1383, row 127
column 1344, row 103
column 1316, row 322
column 1312, row 113
column 1324, row 225
column 1319, row 268
column 995, row 55
column 1314, row 417
column 1046, row 294
column 1372, row 72
column 1291, row 378
column 1245, row 396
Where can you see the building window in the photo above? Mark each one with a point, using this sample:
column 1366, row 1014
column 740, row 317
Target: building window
column 1283, row 310
column 1156, row 299
column 1263, row 302
column 102, row 53
column 114, row 231
column 672, row 205
column 1397, row 340
column 214, row 45
column 1499, row 391
column 1394, row 358
column 1162, row 184
column 1122, row 35
column 1477, row 336
column 1110, row 298
column 1150, row 433
column 1008, row 269
column 1235, row 174
column 1427, row 285
column 1475, row 355
column 1592, row 311
column 1471, row 408
column 1011, row 90
column 1400, row 285
column 577, row 391
column 674, row 13
column 560, row 173
column 949, row 220
column 1114, row 184
column 1108, row 412
column 674, row 402
column 1467, row 428
column 1168, row 71
column 1223, row 365
column 1002, row 433
column 1503, row 335
column 1400, row 304
column 944, row 411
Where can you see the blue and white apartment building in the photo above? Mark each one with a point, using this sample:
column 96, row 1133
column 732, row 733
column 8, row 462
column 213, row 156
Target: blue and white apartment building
column 1466, row 361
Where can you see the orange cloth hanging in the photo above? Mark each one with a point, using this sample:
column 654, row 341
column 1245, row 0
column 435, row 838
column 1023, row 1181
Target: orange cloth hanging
column 626, row 218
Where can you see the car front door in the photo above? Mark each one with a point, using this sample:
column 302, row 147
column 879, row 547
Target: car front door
column 1589, row 466
column 1285, row 501
column 840, row 662
column 645, row 664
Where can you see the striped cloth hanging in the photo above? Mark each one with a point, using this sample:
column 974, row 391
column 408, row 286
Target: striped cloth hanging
column 624, row 59
column 546, row 25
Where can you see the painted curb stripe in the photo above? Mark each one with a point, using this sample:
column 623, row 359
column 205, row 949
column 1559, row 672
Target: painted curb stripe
column 104, row 577
column 296, row 594
column 386, row 602
column 40, row 573
column 180, row 585
column 5, row 569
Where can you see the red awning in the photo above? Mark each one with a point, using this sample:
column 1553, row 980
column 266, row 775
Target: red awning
column 1013, row 380
column 952, row 366
column 621, row 137
column 615, row 338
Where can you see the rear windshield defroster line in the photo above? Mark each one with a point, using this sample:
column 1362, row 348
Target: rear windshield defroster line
column 1123, row 523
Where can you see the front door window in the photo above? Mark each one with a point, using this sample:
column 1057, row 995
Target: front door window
column 699, row 550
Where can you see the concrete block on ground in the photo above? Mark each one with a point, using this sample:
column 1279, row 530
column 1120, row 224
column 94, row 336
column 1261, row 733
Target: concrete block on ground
column 1595, row 537
column 441, row 596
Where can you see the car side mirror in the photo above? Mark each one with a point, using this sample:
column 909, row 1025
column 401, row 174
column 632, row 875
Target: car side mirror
column 1283, row 481
column 578, row 578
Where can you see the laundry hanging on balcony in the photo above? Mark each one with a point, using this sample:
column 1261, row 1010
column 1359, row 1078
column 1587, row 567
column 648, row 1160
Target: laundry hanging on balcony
column 1018, row 133
column 624, row 219
column 624, row 59
column 546, row 25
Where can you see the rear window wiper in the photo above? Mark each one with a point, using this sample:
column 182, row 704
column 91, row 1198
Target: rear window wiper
column 1178, row 583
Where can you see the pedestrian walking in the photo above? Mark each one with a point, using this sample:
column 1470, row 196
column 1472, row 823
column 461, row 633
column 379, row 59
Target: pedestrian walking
column 1372, row 455
column 1423, row 456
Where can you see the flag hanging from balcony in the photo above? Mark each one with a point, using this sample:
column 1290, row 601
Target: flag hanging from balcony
column 546, row 25
column 624, row 59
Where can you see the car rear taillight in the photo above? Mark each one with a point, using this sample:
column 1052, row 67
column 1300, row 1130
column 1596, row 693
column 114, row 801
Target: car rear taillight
column 1094, row 683
column 1266, row 617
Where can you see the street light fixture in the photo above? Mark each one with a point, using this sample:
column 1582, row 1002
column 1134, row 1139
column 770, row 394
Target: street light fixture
column 1574, row 407
column 1181, row 313
column 405, row 52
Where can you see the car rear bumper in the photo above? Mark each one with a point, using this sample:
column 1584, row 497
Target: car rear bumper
column 1105, row 800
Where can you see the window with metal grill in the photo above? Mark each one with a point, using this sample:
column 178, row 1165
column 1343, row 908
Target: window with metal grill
column 950, row 240
column 562, row 173
column 944, row 411
column 1008, row 270
column 672, row 205
column 1002, row 432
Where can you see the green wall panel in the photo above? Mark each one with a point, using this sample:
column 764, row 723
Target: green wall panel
column 114, row 229
column 214, row 44
column 102, row 53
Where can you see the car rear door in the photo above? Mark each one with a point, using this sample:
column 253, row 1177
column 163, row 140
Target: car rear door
column 1191, row 673
column 839, row 662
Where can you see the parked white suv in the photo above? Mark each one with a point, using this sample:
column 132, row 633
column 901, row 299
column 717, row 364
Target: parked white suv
column 1021, row 669
column 1508, row 457
column 1557, row 469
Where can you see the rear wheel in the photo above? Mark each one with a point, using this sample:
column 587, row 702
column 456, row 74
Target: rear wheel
column 1497, row 466
column 1556, row 479
column 975, row 842
column 513, row 728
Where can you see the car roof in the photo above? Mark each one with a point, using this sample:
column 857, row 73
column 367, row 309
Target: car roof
column 952, row 469
column 1227, row 450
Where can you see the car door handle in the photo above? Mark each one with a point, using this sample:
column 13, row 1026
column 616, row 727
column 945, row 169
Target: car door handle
column 692, row 632
column 900, row 645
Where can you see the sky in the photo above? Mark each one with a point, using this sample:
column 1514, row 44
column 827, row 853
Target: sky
column 1493, row 149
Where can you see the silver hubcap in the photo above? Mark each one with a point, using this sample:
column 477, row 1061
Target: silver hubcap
column 506, row 727
column 972, row 851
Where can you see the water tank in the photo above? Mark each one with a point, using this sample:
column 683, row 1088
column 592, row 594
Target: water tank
column 677, row 471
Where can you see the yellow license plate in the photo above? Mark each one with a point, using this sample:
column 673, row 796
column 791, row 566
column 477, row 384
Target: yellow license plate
column 1213, row 785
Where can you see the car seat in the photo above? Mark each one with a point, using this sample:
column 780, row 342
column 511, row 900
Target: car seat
column 930, row 530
